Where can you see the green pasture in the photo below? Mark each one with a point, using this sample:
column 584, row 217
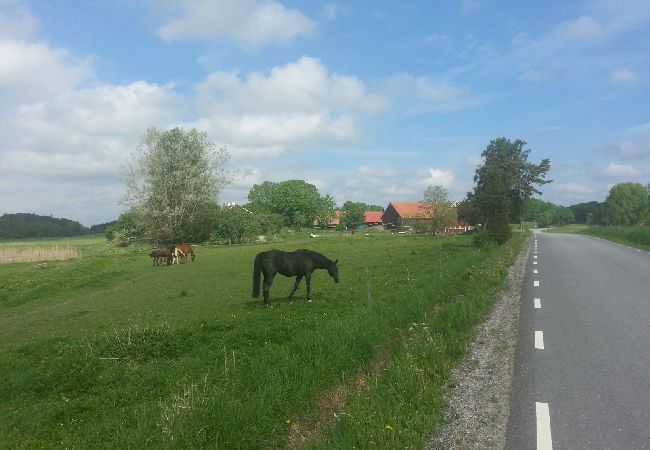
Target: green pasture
column 108, row 351
column 633, row 236
column 571, row 229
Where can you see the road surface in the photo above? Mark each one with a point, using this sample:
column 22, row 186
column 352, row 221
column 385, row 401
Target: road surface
column 582, row 364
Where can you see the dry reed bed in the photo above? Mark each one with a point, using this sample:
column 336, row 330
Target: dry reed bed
column 11, row 255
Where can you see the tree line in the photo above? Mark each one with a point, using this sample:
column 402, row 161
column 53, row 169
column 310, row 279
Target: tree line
column 174, row 179
column 175, row 176
column 28, row 225
column 626, row 204
column 173, row 182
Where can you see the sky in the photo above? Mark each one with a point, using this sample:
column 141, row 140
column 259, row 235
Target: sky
column 370, row 101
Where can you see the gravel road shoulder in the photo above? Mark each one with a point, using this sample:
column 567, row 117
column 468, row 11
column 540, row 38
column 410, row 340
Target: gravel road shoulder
column 479, row 401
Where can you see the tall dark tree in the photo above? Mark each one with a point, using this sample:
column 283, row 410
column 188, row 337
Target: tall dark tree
column 502, row 183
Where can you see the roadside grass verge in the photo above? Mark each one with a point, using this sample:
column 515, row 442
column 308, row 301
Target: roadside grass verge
column 571, row 229
column 109, row 351
column 633, row 236
column 404, row 401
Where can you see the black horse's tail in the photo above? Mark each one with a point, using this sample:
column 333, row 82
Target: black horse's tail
column 257, row 274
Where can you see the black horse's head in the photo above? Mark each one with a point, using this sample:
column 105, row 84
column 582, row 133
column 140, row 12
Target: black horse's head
column 333, row 270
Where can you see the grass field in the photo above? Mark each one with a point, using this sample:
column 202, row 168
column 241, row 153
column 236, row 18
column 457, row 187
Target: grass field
column 633, row 236
column 108, row 351
column 572, row 229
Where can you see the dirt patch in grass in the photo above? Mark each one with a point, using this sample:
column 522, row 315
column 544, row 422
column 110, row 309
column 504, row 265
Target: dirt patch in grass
column 331, row 406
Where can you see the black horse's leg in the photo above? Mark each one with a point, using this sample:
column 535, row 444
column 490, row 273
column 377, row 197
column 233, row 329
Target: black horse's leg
column 308, row 280
column 266, row 288
column 295, row 287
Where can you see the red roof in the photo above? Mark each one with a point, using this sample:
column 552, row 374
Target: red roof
column 413, row 210
column 373, row 216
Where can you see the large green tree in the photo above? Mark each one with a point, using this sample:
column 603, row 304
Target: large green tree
column 297, row 201
column 626, row 204
column 442, row 214
column 236, row 224
column 173, row 178
column 354, row 214
column 502, row 183
column 436, row 194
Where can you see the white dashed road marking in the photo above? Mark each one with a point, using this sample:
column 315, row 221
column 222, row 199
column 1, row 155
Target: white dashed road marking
column 536, row 283
column 535, row 271
column 544, row 441
column 538, row 303
column 539, row 340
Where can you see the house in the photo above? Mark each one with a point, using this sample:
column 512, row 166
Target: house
column 410, row 214
column 335, row 222
column 397, row 213
column 373, row 218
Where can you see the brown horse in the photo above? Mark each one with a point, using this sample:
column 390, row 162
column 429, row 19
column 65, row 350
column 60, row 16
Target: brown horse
column 185, row 249
column 161, row 255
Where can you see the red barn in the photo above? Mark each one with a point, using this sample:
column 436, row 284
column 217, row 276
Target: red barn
column 373, row 218
column 416, row 212
column 397, row 212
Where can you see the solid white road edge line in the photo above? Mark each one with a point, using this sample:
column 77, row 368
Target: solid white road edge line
column 544, row 440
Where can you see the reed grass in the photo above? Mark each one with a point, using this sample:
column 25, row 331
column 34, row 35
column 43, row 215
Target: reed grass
column 22, row 254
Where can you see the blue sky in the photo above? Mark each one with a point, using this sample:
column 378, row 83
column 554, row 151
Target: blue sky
column 369, row 100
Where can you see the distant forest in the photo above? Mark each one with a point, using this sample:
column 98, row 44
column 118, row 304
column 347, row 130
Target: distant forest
column 26, row 225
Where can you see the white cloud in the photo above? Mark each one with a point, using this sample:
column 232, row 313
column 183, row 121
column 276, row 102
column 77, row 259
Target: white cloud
column 297, row 104
column 250, row 23
column 584, row 28
column 621, row 170
column 468, row 7
column 74, row 144
column 16, row 21
column 22, row 74
column 85, row 120
column 624, row 76
column 421, row 94
column 574, row 189
column 629, row 149
column 643, row 128
column 332, row 11
column 301, row 86
column 247, row 176
column 444, row 178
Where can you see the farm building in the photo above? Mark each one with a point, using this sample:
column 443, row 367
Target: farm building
column 373, row 218
column 335, row 222
column 402, row 214
column 398, row 212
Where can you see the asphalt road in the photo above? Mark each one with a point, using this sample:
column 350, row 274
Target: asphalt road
column 589, row 387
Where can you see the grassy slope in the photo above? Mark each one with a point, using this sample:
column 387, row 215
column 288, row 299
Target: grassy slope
column 110, row 351
column 633, row 236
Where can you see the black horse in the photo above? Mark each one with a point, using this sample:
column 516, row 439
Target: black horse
column 300, row 263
